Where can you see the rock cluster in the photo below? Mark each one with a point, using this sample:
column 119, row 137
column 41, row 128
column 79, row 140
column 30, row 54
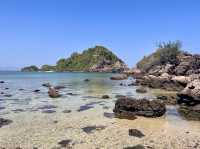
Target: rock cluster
column 182, row 76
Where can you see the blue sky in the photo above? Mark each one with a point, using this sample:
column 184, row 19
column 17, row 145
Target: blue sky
column 42, row 31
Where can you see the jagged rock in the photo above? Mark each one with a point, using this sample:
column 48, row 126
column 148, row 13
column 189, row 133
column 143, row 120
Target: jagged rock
column 119, row 77
column 168, row 100
column 191, row 93
column 130, row 107
column 53, row 93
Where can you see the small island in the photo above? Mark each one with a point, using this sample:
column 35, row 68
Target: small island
column 97, row 59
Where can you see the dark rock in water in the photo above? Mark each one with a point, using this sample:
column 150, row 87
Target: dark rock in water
column 105, row 97
column 190, row 112
column 48, row 111
column 141, row 90
column 120, row 96
column 64, row 143
column 136, row 133
column 109, row 115
column 21, row 89
column 91, row 129
column 128, row 108
column 191, row 94
column 36, row 91
column 119, row 77
column 67, row 111
column 4, row 122
column 2, row 108
column 2, row 82
column 2, row 93
column 18, row 110
column 46, row 107
column 59, row 87
column 106, row 107
column 135, row 147
column 133, row 84
column 71, row 94
column 86, row 80
column 53, row 93
column 7, row 95
column 84, row 108
column 90, row 97
column 6, row 88
column 46, row 85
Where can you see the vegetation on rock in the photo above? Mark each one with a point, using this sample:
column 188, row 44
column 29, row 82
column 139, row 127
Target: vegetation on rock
column 92, row 59
column 166, row 53
column 48, row 68
column 30, row 68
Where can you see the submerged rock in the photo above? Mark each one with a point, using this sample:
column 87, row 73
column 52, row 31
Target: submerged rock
column 135, row 147
column 141, row 90
column 8, row 95
column 105, row 97
column 87, row 80
column 136, row 133
column 119, row 77
column 36, row 91
column 4, row 122
column 59, row 87
column 64, row 143
column 2, row 82
column 53, row 93
column 129, row 108
column 46, row 85
column 91, row 129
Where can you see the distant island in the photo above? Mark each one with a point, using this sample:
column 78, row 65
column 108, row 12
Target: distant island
column 97, row 59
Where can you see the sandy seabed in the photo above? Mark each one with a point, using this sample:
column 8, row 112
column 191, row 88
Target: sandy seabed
column 44, row 131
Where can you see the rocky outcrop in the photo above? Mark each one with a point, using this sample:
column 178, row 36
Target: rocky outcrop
column 190, row 94
column 129, row 108
column 4, row 122
column 53, row 93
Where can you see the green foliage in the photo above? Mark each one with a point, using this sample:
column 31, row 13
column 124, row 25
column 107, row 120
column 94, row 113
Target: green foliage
column 90, row 57
column 30, row 68
column 48, row 68
column 166, row 53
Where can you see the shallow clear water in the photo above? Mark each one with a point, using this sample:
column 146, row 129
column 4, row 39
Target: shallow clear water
column 41, row 121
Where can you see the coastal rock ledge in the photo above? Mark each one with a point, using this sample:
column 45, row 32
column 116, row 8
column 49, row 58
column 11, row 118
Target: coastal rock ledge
column 129, row 108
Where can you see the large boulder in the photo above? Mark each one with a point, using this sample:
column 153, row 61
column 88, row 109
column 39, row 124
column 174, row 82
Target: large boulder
column 190, row 94
column 129, row 108
column 53, row 93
